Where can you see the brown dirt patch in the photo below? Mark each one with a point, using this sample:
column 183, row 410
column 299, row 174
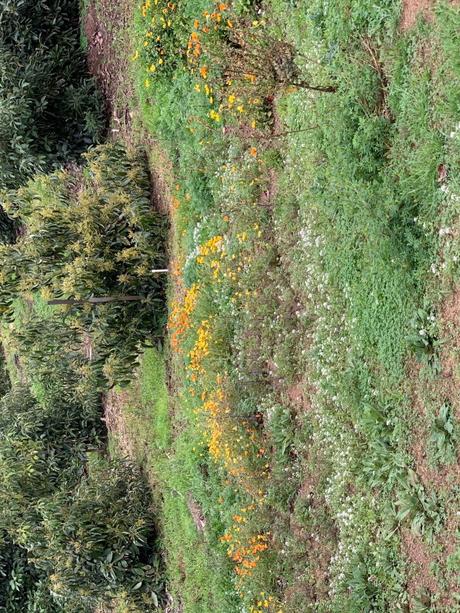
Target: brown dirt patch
column 413, row 8
column 197, row 514
column 316, row 538
column 429, row 393
column 444, row 388
column 450, row 351
column 162, row 178
column 113, row 403
column 107, row 30
column 298, row 396
column 440, row 477
column 421, row 580
column 420, row 577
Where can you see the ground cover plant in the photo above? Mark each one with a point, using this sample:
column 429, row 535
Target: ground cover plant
column 309, row 271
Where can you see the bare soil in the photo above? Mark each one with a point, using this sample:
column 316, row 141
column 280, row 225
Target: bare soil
column 420, row 577
column 450, row 351
column 113, row 403
column 106, row 26
column 197, row 514
column 413, row 8
column 443, row 479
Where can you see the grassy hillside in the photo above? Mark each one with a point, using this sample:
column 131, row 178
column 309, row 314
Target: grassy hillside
column 312, row 185
column 288, row 440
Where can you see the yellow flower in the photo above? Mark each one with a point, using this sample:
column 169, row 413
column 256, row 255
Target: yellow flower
column 231, row 99
column 197, row 88
column 240, row 108
column 147, row 83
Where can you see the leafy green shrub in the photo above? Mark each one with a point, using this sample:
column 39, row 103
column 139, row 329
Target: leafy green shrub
column 75, row 530
column 41, row 448
column 92, row 233
column 58, row 368
column 23, row 586
column 99, row 538
column 444, row 435
column 5, row 383
column 424, row 337
column 49, row 109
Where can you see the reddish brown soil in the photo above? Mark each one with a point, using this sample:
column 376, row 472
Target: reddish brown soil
column 420, row 576
column 441, row 479
column 298, row 397
column 113, row 403
column 108, row 55
column 413, row 8
column 196, row 512
column 450, row 353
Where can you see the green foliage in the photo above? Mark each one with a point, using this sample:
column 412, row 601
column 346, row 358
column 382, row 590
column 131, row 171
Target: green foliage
column 49, row 110
column 5, row 382
column 175, row 462
column 92, row 234
column 88, row 522
column 23, row 587
column 51, row 354
column 423, row 509
column 424, row 338
column 444, row 435
column 43, row 446
column 347, row 274
column 78, row 531
column 99, row 537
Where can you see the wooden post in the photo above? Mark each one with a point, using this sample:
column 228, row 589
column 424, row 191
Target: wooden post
column 95, row 300
column 103, row 299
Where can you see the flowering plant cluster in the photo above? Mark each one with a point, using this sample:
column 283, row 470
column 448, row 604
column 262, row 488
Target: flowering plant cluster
column 234, row 442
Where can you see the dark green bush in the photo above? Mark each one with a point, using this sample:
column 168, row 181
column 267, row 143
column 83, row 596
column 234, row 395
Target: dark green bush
column 5, row 383
column 75, row 529
column 99, row 538
column 53, row 358
column 23, row 587
column 49, row 109
column 42, row 447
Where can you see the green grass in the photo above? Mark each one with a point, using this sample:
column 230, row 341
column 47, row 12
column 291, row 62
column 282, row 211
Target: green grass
column 172, row 459
column 84, row 8
column 342, row 269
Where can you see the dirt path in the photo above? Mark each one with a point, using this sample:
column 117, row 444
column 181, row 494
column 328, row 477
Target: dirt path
column 106, row 27
column 413, row 8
